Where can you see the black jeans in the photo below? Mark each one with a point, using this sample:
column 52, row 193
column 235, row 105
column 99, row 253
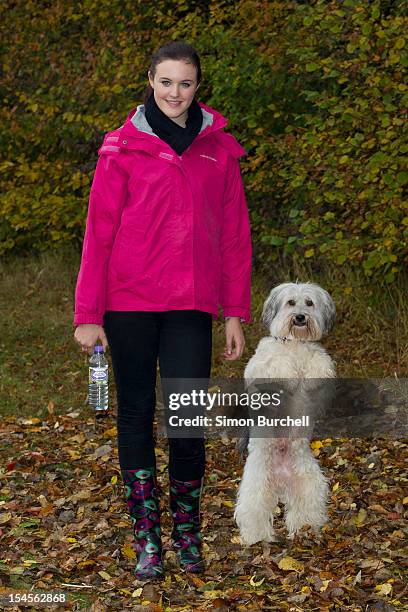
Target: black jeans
column 182, row 341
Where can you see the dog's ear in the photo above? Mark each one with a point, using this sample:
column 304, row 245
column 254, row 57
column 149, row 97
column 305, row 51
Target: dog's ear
column 271, row 307
column 328, row 311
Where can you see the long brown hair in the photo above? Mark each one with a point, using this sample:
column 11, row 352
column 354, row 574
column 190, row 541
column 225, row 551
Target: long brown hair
column 175, row 50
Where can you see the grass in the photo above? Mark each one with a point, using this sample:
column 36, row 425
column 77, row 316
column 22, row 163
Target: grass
column 42, row 368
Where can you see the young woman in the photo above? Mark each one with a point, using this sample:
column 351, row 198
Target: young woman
column 167, row 242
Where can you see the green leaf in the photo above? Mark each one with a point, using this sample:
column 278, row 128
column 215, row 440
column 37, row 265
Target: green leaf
column 294, row 212
column 312, row 67
column 30, row 523
column 276, row 240
column 402, row 178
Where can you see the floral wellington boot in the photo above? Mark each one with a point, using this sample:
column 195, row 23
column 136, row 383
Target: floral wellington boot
column 143, row 505
column 185, row 510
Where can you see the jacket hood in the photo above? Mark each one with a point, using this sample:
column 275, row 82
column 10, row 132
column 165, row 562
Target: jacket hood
column 211, row 119
column 136, row 126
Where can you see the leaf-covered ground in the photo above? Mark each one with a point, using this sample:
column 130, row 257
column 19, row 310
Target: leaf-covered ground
column 64, row 527
column 63, row 520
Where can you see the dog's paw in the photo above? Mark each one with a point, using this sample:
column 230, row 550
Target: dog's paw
column 247, row 541
column 306, row 532
column 249, row 537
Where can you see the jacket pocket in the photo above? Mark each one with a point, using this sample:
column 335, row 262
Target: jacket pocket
column 129, row 255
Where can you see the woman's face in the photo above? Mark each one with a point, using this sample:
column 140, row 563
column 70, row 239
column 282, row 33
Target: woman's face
column 174, row 84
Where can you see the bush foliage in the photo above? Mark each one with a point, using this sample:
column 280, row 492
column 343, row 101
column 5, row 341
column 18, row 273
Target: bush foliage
column 315, row 91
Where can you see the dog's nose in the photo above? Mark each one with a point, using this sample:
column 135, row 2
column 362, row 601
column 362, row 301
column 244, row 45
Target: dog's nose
column 300, row 318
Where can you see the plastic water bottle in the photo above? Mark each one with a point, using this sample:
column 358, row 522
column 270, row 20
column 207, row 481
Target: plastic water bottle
column 98, row 382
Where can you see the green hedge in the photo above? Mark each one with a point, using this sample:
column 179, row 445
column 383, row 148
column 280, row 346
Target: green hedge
column 315, row 91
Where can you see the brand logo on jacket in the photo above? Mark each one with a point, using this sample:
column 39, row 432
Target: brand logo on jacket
column 166, row 155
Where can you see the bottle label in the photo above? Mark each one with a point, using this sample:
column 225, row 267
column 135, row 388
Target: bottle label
column 98, row 375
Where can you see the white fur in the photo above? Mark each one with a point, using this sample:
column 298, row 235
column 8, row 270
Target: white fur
column 284, row 469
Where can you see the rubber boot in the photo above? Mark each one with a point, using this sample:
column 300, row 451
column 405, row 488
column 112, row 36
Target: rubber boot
column 143, row 504
column 185, row 497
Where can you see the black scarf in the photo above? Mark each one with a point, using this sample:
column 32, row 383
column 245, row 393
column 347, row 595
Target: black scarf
column 177, row 137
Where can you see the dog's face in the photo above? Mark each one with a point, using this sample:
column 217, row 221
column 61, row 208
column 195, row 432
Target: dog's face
column 303, row 311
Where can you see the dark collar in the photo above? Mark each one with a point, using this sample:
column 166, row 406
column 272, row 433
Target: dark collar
column 285, row 339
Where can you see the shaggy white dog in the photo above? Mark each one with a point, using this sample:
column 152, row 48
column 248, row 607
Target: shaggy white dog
column 283, row 468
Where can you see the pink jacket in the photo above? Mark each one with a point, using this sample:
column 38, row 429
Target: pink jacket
column 166, row 232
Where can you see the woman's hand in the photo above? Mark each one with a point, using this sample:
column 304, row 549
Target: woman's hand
column 87, row 335
column 235, row 340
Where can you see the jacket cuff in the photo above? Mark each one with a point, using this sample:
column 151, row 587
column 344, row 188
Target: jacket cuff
column 83, row 318
column 244, row 315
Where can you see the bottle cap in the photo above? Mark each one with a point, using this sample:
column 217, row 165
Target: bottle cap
column 98, row 348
